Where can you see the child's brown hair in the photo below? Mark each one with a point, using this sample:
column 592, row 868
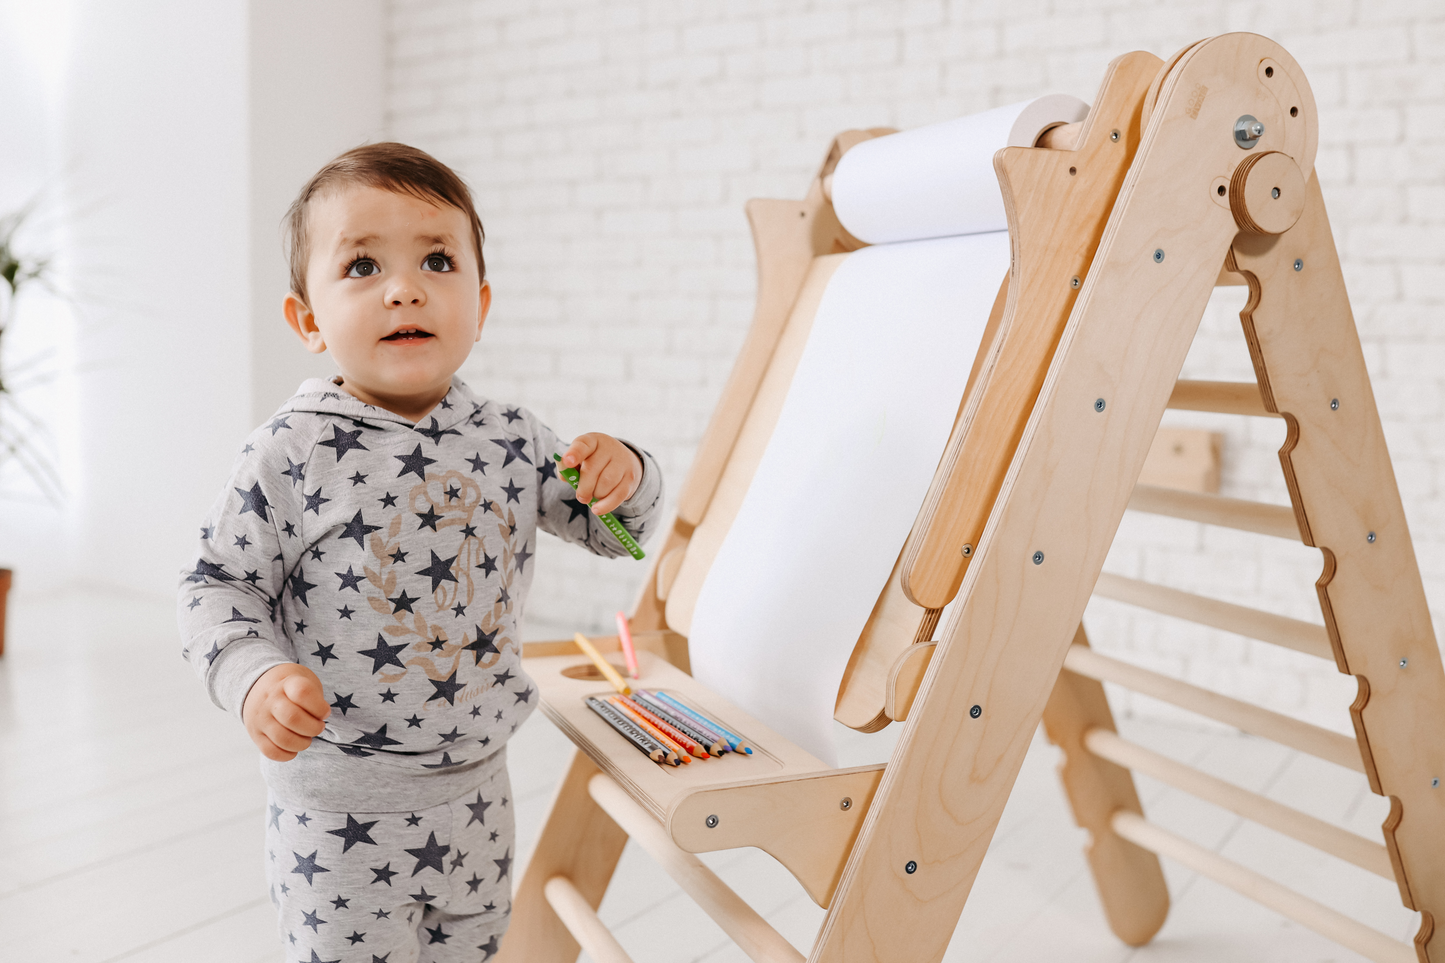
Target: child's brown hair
column 391, row 166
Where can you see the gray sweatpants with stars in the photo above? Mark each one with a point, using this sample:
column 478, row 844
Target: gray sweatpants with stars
column 430, row 886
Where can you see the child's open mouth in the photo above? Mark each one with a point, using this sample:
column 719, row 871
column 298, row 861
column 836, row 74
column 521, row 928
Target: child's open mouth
column 407, row 334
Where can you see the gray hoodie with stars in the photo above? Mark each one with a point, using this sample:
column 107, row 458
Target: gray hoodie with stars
column 391, row 559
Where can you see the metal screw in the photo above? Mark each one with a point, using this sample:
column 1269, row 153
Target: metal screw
column 966, row 551
column 1074, row 282
column 846, row 803
column 1435, row 783
column 1404, row 663
column 1334, row 404
column 1370, row 538
column 1114, row 135
column 711, row 822
column 1247, row 132
column 911, row 867
column 1098, row 404
column 1274, row 193
column 1038, row 558
column 975, row 712
column 1158, row 255
column 1299, row 264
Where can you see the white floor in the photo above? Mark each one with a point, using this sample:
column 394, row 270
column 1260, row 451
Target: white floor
column 131, row 827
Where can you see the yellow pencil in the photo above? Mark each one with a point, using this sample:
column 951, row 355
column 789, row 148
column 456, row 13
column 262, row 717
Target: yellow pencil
column 602, row 664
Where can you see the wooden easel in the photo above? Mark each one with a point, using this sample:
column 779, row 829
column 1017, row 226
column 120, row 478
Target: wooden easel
column 1120, row 228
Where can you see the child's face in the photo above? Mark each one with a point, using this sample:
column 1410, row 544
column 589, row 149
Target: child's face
column 394, row 294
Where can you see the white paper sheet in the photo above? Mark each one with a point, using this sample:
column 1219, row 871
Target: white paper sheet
column 837, row 491
column 938, row 180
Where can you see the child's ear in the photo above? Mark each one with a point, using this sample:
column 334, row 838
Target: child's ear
column 483, row 307
column 303, row 322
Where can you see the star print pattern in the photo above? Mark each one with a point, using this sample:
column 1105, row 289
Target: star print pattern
column 393, row 560
column 344, row 882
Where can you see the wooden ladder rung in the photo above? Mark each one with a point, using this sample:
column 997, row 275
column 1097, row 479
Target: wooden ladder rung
column 753, row 935
column 581, row 921
column 1350, row 847
column 1236, row 513
column 1279, row 630
column 1222, row 397
column 1335, row 925
column 1307, row 738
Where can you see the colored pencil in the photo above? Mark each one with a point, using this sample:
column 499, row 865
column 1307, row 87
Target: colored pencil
column 692, row 746
column 624, row 634
column 698, row 722
column 621, row 704
column 644, row 743
column 603, row 665
column 715, row 745
column 732, row 737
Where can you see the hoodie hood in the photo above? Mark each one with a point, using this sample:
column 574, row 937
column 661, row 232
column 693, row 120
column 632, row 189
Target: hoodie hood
column 325, row 397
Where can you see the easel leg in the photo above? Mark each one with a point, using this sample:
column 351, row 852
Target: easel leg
column 578, row 841
column 1129, row 879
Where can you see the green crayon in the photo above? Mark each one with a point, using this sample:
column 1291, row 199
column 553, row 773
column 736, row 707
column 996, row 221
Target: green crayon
column 613, row 525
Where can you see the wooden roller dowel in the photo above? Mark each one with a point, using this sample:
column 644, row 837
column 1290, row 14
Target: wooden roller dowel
column 581, row 921
column 1237, row 513
column 740, row 921
column 1303, row 910
column 1279, row 630
column 1221, row 397
column 1307, row 829
column 1307, row 738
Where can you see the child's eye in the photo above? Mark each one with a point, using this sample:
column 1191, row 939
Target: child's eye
column 437, row 262
column 363, row 267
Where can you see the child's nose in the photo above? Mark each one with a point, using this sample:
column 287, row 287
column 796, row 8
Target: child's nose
column 406, row 292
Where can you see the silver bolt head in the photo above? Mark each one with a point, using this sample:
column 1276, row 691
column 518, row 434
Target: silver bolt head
column 1435, row 783
column 846, row 803
column 1074, row 282
column 1299, row 264
column 1114, row 135
column 1038, row 558
column 1158, row 255
column 712, row 822
column 1247, row 132
column 1099, row 404
column 967, row 550
column 910, row 867
column 1370, row 538
column 1334, row 404
column 1274, row 193
column 1404, row 663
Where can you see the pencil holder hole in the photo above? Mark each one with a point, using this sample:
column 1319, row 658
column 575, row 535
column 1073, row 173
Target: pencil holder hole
column 589, row 672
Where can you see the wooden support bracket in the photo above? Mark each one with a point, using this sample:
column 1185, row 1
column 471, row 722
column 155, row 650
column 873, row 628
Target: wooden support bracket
column 807, row 823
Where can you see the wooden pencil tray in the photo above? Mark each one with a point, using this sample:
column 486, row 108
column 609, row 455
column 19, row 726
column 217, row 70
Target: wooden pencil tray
column 780, row 799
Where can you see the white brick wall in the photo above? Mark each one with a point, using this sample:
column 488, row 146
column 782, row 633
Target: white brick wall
column 612, row 144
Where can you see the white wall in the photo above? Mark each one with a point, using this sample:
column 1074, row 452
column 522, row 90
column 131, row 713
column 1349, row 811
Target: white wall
column 179, row 132
column 612, row 146
column 317, row 86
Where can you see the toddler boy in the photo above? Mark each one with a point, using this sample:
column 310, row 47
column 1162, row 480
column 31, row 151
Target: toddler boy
column 356, row 594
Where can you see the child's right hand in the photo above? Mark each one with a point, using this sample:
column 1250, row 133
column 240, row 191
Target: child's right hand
column 284, row 711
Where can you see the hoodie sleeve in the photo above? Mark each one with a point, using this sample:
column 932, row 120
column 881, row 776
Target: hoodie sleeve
column 229, row 600
column 563, row 514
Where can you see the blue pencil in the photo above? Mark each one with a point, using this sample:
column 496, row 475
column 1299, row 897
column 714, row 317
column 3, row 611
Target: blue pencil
column 732, row 737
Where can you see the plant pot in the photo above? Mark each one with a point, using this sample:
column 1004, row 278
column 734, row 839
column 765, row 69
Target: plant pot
column 5, row 576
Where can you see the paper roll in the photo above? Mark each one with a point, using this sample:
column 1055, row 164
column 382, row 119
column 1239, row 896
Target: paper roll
column 938, row 180
column 847, row 467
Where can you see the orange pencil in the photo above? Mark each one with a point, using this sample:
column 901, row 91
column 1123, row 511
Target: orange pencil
column 669, row 730
column 622, row 705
